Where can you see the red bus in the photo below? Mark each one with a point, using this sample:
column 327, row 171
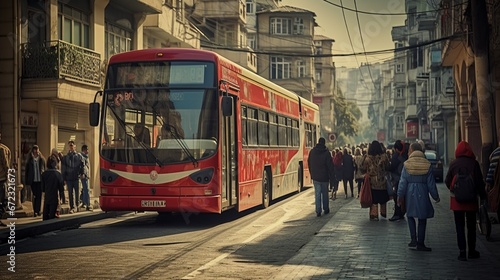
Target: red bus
column 186, row 130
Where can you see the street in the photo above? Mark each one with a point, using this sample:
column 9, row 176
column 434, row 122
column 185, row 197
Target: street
column 285, row 241
column 249, row 245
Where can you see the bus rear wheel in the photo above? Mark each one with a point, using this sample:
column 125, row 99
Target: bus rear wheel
column 266, row 190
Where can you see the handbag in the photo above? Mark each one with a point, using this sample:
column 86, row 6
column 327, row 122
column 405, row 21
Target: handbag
column 365, row 197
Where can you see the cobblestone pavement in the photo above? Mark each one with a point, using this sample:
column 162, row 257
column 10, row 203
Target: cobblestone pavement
column 352, row 246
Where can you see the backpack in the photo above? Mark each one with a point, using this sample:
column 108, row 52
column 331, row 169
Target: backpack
column 464, row 188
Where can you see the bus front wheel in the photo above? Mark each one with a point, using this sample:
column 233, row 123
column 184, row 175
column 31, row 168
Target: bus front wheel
column 266, row 190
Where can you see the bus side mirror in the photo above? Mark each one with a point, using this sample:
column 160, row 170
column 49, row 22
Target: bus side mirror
column 227, row 106
column 94, row 109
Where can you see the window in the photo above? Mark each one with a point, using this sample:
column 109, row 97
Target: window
column 74, row 26
column 273, row 129
column 263, row 129
column 118, row 38
column 252, row 123
column 250, row 7
column 400, row 68
column 281, row 26
column 301, row 69
column 280, row 67
column 251, row 41
column 244, row 125
column 298, row 26
column 399, row 121
column 282, row 137
column 318, row 76
column 400, row 93
column 398, row 45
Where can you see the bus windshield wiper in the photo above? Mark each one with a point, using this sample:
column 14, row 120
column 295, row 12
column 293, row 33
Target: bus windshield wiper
column 181, row 143
column 125, row 127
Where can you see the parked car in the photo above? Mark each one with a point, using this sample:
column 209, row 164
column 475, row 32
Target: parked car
column 437, row 164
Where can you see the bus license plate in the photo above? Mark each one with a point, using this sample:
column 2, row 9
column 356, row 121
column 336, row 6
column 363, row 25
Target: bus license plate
column 153, row 203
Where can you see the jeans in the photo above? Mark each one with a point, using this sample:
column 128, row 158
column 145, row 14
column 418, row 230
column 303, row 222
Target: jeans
column 350, row 181
column 85, row 192
column 321, row 196
column 461, row 219
column 36, row 189
column 73, row 189
column 422, row 224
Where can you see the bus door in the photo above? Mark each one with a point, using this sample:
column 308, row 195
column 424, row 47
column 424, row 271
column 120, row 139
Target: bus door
column 229, row 158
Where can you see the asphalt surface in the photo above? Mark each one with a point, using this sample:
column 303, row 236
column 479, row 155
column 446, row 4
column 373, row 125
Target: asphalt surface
column 349, row 246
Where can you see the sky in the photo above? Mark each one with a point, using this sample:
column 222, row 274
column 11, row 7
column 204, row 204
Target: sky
column 375, row 29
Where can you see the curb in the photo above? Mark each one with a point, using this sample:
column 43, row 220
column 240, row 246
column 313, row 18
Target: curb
column 28, row 230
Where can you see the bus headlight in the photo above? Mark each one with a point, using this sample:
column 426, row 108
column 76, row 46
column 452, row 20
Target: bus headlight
column 203, row 176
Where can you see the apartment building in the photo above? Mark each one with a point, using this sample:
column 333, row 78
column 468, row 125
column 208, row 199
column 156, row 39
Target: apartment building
column 325, row 79
column 286, row 35
column 56, row 53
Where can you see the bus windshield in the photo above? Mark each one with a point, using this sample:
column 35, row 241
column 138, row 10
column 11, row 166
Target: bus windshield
column 168, row 120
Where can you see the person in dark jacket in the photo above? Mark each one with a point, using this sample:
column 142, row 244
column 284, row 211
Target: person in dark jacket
column 35, row 166
column 53, row 187
column 72, row 169
column 348, row 171
column 321, row 169
column 465, row 213
column 399, row 156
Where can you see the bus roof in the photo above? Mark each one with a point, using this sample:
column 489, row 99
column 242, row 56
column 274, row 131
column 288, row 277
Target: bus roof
column 204, row 55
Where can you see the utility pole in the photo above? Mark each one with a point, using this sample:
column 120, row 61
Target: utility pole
column 480, row 29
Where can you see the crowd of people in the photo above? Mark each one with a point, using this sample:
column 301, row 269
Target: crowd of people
column 404, row 175
column 47, row 177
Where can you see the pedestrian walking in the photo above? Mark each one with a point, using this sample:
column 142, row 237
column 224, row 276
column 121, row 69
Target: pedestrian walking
column 348, row 172
column 337, row 167
column 399, row 156
column 57, row 156
column 321, row 170
column 72, row 169
column 417, row 182
column 376, row 163
column 35, row 166
column 359, row 175
column 53, row 187
column 84, row 178
column 465, row 212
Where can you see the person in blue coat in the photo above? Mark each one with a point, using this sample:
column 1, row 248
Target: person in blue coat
column 415, row 185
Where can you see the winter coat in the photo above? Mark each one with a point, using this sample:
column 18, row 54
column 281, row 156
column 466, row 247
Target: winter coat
column 320, row 164
column 347, row 167
column 72, row 166
column 376, row 166
column 52, row 184
column 465, row 160
column 357, row 161
column 30, row 171
column 416, row 183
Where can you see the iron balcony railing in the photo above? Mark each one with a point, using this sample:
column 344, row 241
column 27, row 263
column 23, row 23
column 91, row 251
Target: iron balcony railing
column 59, row 59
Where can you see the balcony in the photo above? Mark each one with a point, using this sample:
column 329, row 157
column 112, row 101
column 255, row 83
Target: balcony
column 426, row 21
column 61, row 60
column 222, row 10
column 176, row 30
column 399, row 33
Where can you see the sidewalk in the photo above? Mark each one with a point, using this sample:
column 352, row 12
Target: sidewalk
column 31, row 226
column 352, row 246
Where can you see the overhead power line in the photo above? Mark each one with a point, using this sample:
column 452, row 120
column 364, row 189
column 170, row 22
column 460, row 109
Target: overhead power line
column 391, row 14
column 377, row 52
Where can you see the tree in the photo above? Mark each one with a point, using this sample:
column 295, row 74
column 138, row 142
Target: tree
column 346, row 115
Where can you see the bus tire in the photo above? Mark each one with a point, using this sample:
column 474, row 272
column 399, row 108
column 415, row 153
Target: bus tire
column 300, row 175
column 266, row 189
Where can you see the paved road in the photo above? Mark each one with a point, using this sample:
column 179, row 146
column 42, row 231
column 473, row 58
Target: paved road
column 352, row 246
